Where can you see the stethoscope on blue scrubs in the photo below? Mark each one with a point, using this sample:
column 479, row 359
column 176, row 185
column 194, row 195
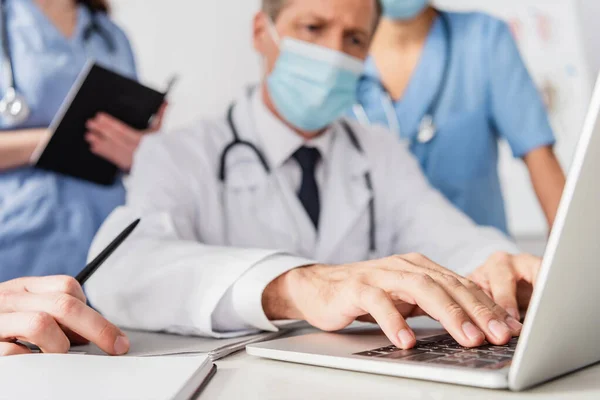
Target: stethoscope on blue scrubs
column 427, row 127
column 238, row 142
column 13, row 106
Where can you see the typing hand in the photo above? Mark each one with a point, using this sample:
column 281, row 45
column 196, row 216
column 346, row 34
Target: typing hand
column 50, row 313
column 388, row 291
column 117, row 142
column 509, row 280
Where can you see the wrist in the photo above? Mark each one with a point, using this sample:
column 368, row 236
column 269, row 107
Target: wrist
column 31, row 141
column 280, row 298
column 17, row 147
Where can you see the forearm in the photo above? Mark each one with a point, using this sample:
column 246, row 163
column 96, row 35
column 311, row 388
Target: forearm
column 16, row 147
column 548, row 180
column 163, row 282
column 456, row 242
column 426, row 222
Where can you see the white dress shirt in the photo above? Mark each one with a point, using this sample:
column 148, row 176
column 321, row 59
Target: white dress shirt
column 279, row 148
column 206, row 250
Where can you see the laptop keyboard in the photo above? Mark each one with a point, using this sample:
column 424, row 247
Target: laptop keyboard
column 443, row 350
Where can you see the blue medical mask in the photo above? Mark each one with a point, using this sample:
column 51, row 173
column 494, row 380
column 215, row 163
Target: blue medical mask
column 403, row 9
column 311, row 86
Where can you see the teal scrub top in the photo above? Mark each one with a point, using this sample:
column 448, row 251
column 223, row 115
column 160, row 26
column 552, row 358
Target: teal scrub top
column 489, row 95
column 47, row 221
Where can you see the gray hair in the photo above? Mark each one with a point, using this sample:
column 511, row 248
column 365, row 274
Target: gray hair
column 274, row 7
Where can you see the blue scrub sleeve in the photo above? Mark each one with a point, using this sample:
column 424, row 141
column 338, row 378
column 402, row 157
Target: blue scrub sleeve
column 516, row 106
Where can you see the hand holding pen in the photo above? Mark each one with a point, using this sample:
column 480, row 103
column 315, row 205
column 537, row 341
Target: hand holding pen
column 51, row 313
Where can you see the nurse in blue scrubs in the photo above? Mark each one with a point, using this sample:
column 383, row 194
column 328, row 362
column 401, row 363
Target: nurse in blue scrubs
column 453, row 85
column 47, row 221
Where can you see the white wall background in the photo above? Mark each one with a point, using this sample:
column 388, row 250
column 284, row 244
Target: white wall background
column 208, row 43
column 589, row 13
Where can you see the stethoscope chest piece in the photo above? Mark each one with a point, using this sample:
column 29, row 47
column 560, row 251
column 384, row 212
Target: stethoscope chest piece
column 427, row 130
column 14, row 108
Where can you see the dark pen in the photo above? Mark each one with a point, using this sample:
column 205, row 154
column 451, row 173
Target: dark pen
column 93, row 266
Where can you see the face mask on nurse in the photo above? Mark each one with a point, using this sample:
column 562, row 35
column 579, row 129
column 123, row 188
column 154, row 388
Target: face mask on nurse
column 403, row 9
column 310, row 85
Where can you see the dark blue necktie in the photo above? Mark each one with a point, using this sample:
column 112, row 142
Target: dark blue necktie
column 308, row 157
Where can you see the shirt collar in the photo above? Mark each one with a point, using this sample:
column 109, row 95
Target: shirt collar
column 278, row 140
column 29, row 15
column 422, row 87
column 371, row 70
column 84, row 21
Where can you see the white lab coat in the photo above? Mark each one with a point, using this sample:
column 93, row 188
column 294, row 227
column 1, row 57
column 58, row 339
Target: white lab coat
column 205, row 251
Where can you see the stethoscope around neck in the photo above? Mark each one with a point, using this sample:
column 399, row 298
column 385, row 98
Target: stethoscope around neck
column 427, row 130
column 239, row 142
column 14, row 108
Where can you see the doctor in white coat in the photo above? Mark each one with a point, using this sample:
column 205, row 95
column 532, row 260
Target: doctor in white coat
column 281, row 210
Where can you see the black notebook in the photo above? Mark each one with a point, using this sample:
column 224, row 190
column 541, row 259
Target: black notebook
column 96, row 90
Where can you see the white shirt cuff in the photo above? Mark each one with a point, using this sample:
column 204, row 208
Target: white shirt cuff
column 241, row 307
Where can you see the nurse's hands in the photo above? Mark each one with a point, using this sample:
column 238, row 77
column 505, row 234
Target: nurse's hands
column 51, row 313
column 17, row 147
column 117, row 142
column 509, row 280
column 388, row 291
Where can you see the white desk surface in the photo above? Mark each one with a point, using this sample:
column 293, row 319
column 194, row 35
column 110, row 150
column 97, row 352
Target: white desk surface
column 245, row 377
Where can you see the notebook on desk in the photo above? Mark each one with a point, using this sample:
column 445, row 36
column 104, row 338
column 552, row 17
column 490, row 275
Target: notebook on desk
column 151, row 344
column 66, row 377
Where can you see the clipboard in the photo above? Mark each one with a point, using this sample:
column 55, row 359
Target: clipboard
column 97, row 89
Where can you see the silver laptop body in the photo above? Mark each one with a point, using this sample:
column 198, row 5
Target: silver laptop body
column 561, row 332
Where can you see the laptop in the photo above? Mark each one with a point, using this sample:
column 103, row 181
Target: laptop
column 561, row 331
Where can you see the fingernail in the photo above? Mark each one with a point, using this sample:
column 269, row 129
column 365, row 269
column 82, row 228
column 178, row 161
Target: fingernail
column 121, row 345
column 499, row 329
column 406, row 338
column 514, row 313
column 513, row 324
column 471, row 331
